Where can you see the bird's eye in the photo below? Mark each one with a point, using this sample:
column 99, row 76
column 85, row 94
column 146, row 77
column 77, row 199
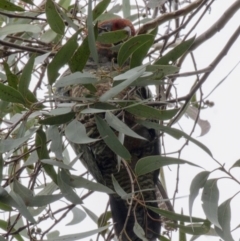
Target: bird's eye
column 102, row 30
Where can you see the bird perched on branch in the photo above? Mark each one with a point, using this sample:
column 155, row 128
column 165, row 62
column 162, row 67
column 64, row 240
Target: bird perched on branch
column 133, row 220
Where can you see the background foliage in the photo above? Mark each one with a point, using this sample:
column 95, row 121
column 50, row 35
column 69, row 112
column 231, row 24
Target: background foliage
column 39, row 40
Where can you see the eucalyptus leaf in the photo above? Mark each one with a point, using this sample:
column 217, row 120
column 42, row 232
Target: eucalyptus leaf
column 110, row 138
column 56, row 141
column 61, row 58
column 80, row 57
column 118, row 88
column 56, row 163
column 210, row 196
column 119, row 190
column 138, row 230
column 10, row 143
column 80, row 182
column 22, row 207
column 224, row 218
column 112, row 37
column 149, row 112
column 175, row 53
column 91, row 33
column 78, row 216
column 120, row 126
column 77, row 236
column 175, row 133
column 67, row 191
column 53, row 17
column 131, row 45
column 76, row 78
column 58, row 119
column 198, row 182
column 9, row 94
column 175, row 216
column 26, row 76
column 76, row 133
column 17, row 28
column 152, row 163
column 8, row 6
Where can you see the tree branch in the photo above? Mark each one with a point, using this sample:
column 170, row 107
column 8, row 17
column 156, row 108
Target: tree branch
column 168, row 16
column 217, row 26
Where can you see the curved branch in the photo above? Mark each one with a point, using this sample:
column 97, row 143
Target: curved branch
column 213, row 65
column 217, row 26
column 25, row 48
column 168, row 16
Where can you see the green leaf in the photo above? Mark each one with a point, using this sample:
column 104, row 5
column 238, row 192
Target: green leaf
column 76, row 133
column 151, row 163
column 174, row 133
column 1, row 167
column 175, row 53
column 198, row 182
column 149, row 112
column 210, row 198
column 175, row 216
column 61, row 58
column 41, row 144
column 224, row 218
column 53, row 18
column 67, row 191
column 100, row 8
column 138, row 230
column 91, row 33
column 10, row 94
column 236, row 164
column 5, row 225
column 126, row 7
column 22, row 207
column 195, row 229
column 133, row 74
column 182, row 235
column 112, row 37
column 56, row 146
column 110, row 138
column 119, row 190
column 11, row 78
column 78, row 216
column 139, row 55
column 8, row 6
column 77, row 236
column 92, row 215
column 26, row 76
column 80, row 182
column 120, row 126
column 57, row 164
column 130, row 46
column 31, row 99
column 17, row 28
column 5, row 207
column 80, row 57
column 58, row 119
column 162, row 238
column 28, row 1
column 76, row 78
column 34, row 201
column 10, row 143
column 160, row 71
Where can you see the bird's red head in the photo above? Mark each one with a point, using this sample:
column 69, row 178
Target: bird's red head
column 117, row 24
